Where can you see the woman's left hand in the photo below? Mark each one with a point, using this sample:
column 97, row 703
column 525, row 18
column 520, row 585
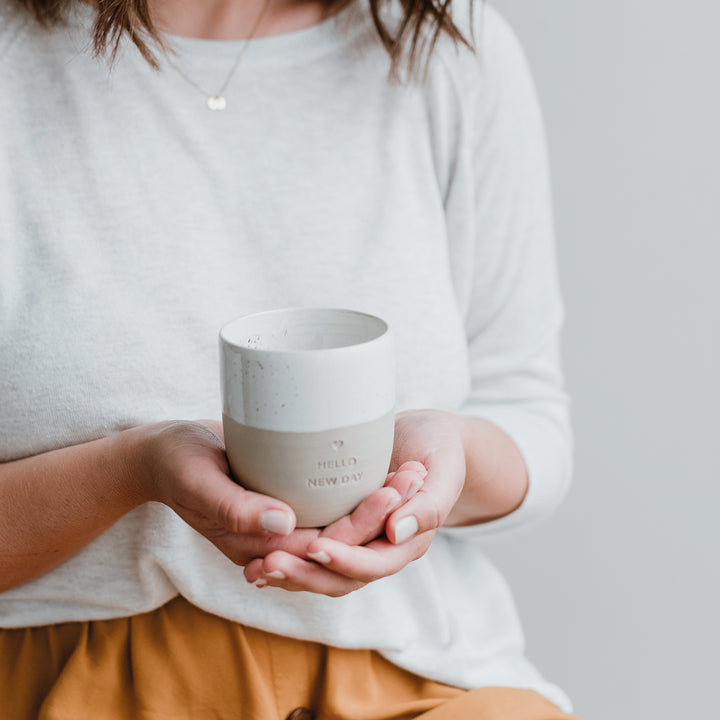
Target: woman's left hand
column 392, row 527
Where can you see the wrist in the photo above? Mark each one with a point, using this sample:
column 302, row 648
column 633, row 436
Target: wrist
column 136, row 453
column 467, row 432
column 496, row 479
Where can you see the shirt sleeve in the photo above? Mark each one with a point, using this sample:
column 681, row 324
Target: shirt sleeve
column 509, row 289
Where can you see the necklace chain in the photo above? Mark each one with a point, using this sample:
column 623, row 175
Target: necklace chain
column 216, row 101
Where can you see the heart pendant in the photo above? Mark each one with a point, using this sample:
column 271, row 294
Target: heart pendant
column 216, row 102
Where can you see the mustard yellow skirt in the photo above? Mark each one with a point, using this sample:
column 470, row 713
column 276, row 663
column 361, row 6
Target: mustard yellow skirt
column 180, row 663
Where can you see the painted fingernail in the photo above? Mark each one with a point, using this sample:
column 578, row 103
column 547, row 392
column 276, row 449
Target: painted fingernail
column 405, row 528
column 321, row 557
column 260, row 583
column 415, row 466
column 277, row 574
column 414, row 487
column 276, row 521
column 393, row 502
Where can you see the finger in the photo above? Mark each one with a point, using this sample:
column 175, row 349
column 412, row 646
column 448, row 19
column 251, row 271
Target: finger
column 223, row 502
column 367, row 521
column 244, row 548
column 430, row 506
column 291, row 573
column 407, row 479
column 370, row 562
column 413, row 465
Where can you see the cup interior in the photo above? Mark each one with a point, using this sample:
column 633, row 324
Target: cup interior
column 303, row 329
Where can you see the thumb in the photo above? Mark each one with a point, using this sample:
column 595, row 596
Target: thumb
column 232, row 508
column 432, row 504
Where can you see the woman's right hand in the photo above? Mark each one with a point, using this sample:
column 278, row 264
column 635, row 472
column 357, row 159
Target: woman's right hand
column 55, row 503
column 185, row 467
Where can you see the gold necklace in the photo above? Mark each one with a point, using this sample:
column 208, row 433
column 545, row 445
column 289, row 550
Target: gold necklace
column 217, row 101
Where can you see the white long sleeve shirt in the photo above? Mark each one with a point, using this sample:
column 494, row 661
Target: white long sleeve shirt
column 134, row 222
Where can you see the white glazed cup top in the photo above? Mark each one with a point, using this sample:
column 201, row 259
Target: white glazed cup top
column 307, row 369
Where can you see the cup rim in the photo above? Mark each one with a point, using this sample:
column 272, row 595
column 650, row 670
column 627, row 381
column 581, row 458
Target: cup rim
column 384, row 331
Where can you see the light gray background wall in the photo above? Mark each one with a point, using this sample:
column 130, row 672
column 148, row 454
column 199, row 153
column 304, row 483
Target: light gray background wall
column 620, row 591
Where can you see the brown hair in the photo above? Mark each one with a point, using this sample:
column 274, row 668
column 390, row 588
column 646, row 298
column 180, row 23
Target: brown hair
column 411, row 42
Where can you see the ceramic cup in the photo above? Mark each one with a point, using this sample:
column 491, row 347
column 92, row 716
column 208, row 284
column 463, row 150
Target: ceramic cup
column 308, row 407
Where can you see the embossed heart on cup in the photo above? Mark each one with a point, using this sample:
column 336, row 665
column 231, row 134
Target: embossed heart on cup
column 338, row 445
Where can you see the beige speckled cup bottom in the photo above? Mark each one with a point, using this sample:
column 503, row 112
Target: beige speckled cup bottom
column 321, row 475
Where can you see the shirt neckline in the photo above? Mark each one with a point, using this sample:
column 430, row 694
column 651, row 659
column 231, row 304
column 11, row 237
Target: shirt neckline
column 326, row 36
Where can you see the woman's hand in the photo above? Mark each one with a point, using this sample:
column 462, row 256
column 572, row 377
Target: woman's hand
column 183, row 465
column 186, row 469
column 389, row 529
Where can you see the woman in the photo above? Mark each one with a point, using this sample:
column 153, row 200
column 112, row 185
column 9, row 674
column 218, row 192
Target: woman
column 212, row 159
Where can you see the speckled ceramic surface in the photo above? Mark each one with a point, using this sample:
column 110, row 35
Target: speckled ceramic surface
column 321, row 475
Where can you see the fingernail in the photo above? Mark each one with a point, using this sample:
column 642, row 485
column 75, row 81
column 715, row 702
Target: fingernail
column 392, row 503
column 321, row 557
column 417, row 467
column 414, row 487
column 276, row 521
column 405, row 528
column 277, row 574
column 260, row 583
